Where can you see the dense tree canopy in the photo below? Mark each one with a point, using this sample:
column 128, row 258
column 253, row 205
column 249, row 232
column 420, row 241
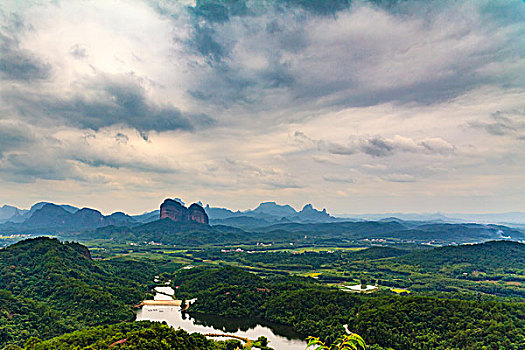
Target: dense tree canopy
column 56, row 287
column 386, row 320
column 142, row 335
column 51, row 289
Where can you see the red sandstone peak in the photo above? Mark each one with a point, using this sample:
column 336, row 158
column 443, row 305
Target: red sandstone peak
column 174, row 210
column 179, row 213
column 198, row 214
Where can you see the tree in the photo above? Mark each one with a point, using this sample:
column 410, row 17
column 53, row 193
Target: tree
column 350, row 342
column 262, row 340
column 12, row 347
column 31, row 342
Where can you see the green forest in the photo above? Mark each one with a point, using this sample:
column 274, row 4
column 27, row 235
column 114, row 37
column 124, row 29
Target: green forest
column 141, row 335
column 389, row 321
column 62, row 295
column 332, row 234
column 492, row 269
column 48, row 288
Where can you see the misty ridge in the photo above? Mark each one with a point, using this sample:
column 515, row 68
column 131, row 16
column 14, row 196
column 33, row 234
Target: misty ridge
column 269, row 222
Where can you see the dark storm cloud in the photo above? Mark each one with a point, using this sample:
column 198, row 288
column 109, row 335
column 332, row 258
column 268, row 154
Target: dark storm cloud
column 99, row 161
column 277, row 75
column 13, row 136
column 224, row 86
column 221, row 28
column 336, row 148
column 26, row 155
column 117, row 153
column 117, row 101
column 223, row 10
column 283, row 183
column 25, row 167
column 339, row 179
column 377, row 147
column 413, row 52
column 17, row 63
column 203, row 40
column 78, row 51
column 504, row 123
column 219, row 10
column 399, row 178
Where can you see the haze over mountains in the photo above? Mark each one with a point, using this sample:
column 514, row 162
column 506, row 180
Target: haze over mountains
column 266, row 213
column 511, row 218
column 269, row 222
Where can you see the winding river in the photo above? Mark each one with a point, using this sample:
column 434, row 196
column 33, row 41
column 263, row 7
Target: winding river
column 280, row 337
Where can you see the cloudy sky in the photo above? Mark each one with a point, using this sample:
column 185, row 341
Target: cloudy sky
column 362, row 106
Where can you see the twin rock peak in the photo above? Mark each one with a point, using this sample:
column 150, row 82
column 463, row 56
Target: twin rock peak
column 179, row 213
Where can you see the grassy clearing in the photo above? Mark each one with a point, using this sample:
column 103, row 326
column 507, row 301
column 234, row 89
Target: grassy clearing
column 399, row 290
column 318, row 249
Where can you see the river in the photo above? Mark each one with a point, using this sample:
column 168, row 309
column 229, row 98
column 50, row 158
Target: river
column 279, row 337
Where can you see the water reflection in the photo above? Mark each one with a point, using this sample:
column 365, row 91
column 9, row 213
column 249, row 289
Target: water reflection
column 232, row 325
column 280, row 337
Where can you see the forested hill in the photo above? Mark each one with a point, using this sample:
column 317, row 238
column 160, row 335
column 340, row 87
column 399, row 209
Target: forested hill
column 170, row 232
column 481, row 257
column 335, row 234
column 22, row 318
column 142, row 335
column 386, row 321
column 394, row 231
column 495, row 268
column 63, row 278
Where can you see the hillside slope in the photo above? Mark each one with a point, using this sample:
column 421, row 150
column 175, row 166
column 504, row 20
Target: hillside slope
column 490, row 256
column 64, row 278
column 142, row 335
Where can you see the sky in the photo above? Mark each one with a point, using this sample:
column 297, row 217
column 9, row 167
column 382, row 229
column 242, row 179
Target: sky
column 353, row 106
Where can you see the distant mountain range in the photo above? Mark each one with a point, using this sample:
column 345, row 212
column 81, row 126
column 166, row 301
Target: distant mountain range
column 510, row 218
column 67, row 218
column 15, row 215
column 265, row 214
column 48, row 217
column 348, row 233
column 7, row 212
